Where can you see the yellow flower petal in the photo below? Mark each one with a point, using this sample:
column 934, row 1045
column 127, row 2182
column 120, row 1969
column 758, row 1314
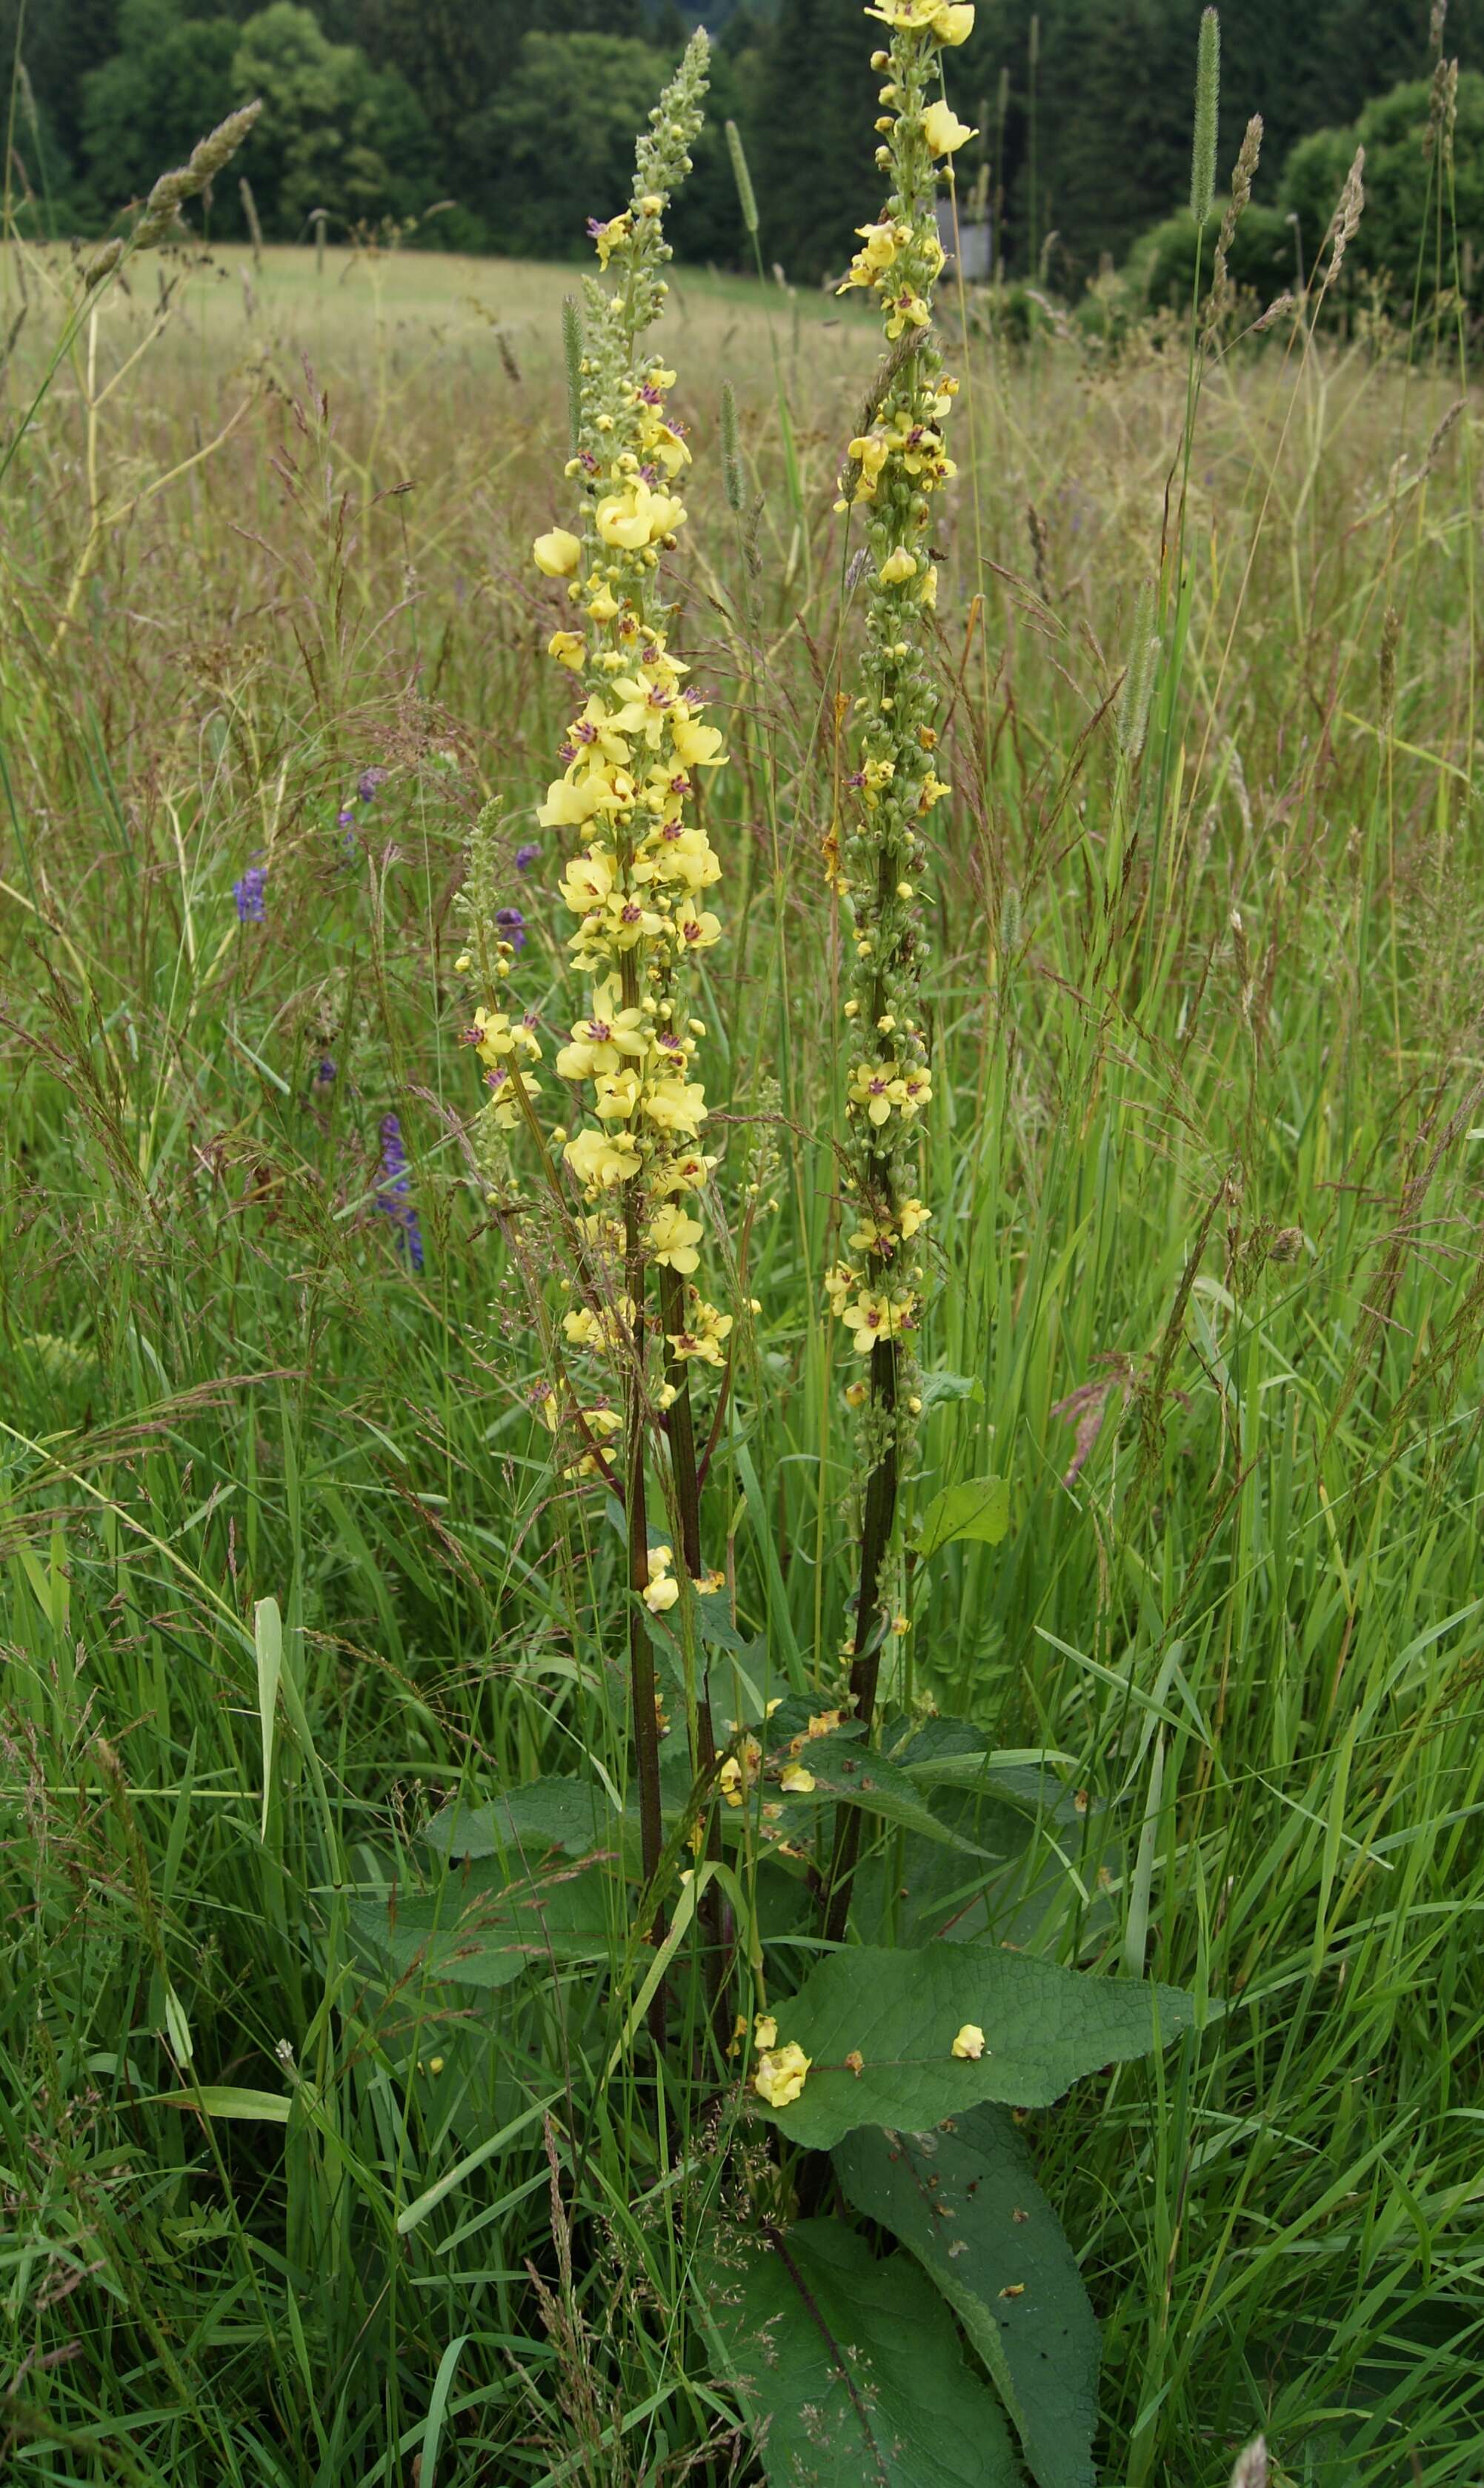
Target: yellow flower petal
column 556, row 553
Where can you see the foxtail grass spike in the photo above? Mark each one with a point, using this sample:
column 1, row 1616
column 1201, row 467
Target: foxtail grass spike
column 571, row 355
column 746, row 195
column 732, row 479
column 1208, row 85
column 1137, row 681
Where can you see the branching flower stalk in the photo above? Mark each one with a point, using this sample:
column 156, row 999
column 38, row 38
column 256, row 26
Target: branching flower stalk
column 895, row 464
column 637, row 888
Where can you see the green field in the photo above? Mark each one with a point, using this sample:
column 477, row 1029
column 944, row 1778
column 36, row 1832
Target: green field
column 1205, row 1150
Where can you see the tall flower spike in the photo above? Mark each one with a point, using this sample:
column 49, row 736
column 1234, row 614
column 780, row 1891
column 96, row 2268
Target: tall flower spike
column 637, row 885
column 895, row 464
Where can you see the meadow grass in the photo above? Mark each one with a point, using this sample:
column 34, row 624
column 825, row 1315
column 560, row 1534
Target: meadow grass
column 1209, row 1094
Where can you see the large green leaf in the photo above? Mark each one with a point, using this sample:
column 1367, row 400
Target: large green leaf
column 978, row 1508
column 899, row 2012
column 478, row 1925
column 847, row 1772
column 850, row 2370
column 573, row 1814
column 967, row 2202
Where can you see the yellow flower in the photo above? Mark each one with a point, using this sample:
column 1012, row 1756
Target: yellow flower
column 675, row 1105
column 916, row 1090
column 926, row 594
column 697, row 930
column 601, row 1423
column 869, row 451
column 765, row 2031
column 638, row 516
column 609, row 236
column 908, row 311
column 618, row 1094
column 953, row 22
column 672, row 1238
column 568, row 806
column 504, row 1109
column 872, row 1317
column 684, row 856
column 877, row 1086
column 498, row 1037
column 569, row 648
column 698, row 746
column 796, row 1781
column 911, row 1215
column 897, row 567
column 943, row 130
column 969, row 2042
column 704, row 1330
column 588, row 879
column 780, row 2074
column 598, row 1160
column 557, row 553
column 660, row 1591
column 600, row 1043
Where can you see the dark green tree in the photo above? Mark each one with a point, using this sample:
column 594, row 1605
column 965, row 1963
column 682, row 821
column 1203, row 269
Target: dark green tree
column 1406, row 233
column 143, row 109
column 334, row 134
column 557, row 138
column 813, row 147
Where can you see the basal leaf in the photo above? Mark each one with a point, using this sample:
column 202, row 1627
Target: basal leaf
column 899, row 2013
column 966, row 2200
column 849, row 1772
column 850, row 2370
column 979, row 1508
column 573, row 1814
column 482, row 1928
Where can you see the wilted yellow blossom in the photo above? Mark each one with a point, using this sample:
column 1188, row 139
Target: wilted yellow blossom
column 780, row 2075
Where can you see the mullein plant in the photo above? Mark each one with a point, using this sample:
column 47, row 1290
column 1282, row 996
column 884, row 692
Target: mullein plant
column 628, row 1178
column 896, row 464
column 899, row 2061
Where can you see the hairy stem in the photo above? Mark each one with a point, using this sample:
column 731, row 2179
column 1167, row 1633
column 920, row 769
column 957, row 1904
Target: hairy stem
column 641, row 1654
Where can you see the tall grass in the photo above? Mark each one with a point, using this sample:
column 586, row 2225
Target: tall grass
column 1207, row 1098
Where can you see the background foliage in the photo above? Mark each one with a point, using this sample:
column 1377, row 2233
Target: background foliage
column 1205, row 1137
column 516, row 110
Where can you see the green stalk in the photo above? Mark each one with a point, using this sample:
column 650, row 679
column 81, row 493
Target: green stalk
column 641, row 1652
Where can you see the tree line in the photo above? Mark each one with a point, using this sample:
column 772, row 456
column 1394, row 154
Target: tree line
column 514, row 119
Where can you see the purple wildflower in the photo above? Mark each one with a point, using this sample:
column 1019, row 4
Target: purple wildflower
column 512, row 924
column 324, row 1072
column 368, row 782
column 248, row 893
column 345, row 819
column 392, row 1192
column 525, row 856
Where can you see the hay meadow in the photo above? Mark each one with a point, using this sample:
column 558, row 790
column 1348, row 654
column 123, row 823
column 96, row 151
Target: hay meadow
column 288, row 1564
